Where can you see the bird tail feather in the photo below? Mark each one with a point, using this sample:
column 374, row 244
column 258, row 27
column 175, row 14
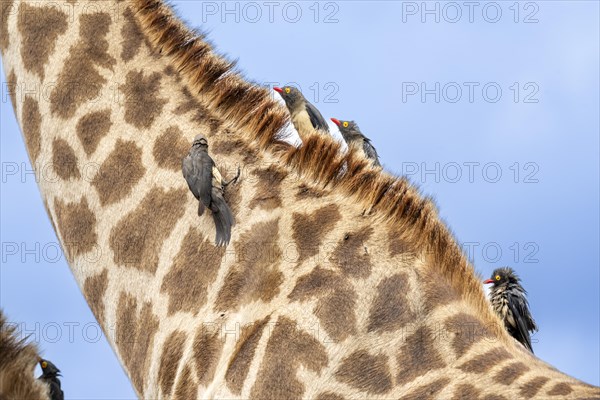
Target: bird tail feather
column 223, row 219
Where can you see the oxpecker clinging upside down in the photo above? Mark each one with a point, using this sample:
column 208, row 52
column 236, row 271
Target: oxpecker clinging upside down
column 508, row 300
column 207, row 185
column 354, row 137
column 303, row 114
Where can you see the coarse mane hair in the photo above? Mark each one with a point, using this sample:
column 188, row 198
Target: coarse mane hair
column 261, row 120
column 17, row 362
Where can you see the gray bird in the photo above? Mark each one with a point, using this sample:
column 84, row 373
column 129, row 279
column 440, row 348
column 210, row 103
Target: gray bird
column 207, row 185
column 508, row 300
column 304, row 115
column 50, row 376
column 354, row 138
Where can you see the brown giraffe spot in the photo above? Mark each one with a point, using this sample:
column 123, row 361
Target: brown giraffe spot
column 397, row 245
column 39, row 28
column 366, row 372
column 93, row 291
column 466, row 392
column 201, row 114
column 531, row 388
column 336, row 313
column 483, row 362
column 428, row 391
column 317, row 282
column 467, row 330
column 305, row 192
column 77, row 226
column 186, row 388
column 64, row 160
column 494, row 397
column 560, row 389
column 6, row 9
column 170, row 148
column 350, row 254
column 268, row 188
column 136, row 240
column 437, row 295
column 11, row 87
column 169, row 70
column 208, row 347
column 194, row 268
column 119, row 173
column 511, row 372
column 132, row 36
column 418, row 356
column 231, row 146
column 189, row 102
column 309, row 230
column 436, row 291
column 142, row 104
column 91, row 128
column 31, row 119
column 80, row 81
column 330, row 396
column 390, row 309
column 135, row 337
column 336, row 304
column 239, row 364
column 169, row 361
column 255, row 275
column 287, row 350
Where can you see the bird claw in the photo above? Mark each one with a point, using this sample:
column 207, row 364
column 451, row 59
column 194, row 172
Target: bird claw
column 234, row 179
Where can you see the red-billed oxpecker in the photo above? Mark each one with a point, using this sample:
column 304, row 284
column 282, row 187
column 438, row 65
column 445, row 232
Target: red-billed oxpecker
column 355, row 139
column 303, row 114
column 508, row 300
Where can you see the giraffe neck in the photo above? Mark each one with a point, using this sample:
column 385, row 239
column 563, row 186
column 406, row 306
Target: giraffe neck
column 314, row 297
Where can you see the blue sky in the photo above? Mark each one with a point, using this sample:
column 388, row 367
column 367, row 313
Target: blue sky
column 513, row 164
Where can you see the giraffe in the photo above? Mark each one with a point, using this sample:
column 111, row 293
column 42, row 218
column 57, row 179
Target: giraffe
column 313, row 298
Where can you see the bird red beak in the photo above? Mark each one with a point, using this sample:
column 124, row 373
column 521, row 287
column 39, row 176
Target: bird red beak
column 488, row 281
column 278, row 89
column 336, row 121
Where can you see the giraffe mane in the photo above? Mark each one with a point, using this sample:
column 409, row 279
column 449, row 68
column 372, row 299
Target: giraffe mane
column 251, row 109
column 17, row 364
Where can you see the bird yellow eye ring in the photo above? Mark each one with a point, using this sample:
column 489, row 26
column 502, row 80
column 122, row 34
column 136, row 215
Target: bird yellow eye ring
column 345, row 123
column 287, row 90
column 44, row 364
column 497, row 277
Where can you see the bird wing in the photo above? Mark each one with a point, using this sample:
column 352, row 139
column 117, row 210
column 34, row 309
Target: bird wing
column 316, row 118
column 370, row 152
column 520, row 313
column 197, row 171
column 222, row 217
